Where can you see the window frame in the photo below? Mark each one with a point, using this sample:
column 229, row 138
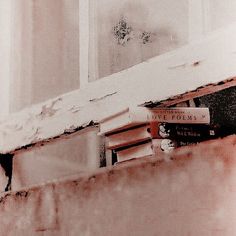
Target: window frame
column 185, row 73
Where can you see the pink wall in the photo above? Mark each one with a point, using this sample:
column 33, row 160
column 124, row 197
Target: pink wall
column 194, row 194
column 77, row 153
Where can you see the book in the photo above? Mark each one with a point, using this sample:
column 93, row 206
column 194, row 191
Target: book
column 182, row 131
column 128, row 137
column 134, row 152
column 132, row 117
column 149, row 148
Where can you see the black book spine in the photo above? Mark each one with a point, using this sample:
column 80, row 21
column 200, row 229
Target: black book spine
column 187, row 132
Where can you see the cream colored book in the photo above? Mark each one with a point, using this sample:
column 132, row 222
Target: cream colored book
column 131, row 117
column 134, row 152
column 153, row 147
column 128, row 137
column 154, row 130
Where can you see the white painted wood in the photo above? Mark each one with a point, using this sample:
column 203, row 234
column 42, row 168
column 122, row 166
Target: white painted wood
column 210, row 60
column 5, row 51
column 84, row 41
column 93, row 41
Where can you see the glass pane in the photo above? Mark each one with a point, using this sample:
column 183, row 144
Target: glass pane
column 45, row 50
column 126, row 32
column 56, row 48
column 222, row 13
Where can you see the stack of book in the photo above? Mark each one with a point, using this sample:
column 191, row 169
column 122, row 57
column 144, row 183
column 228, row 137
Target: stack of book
column 138, row 132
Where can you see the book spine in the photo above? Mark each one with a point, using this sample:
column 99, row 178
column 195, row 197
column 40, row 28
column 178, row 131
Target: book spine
column 181, row 115
column 134, row 152
column 156, row 147
column 128, row 137
column 181, row 131
column 168, row 145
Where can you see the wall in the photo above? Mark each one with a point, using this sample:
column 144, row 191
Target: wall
column 62, row 157
column 125, row 33
column 190, row 193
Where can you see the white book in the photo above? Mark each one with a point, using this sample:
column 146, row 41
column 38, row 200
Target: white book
column 141, row 115
column 154, row 130
column 153, row 147
column 128, row 137
column 138, row 151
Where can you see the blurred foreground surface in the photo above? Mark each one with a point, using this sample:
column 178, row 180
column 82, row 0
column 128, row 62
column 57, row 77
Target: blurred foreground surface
column 191, row 192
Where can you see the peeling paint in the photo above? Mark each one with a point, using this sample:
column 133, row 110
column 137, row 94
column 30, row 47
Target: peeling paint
column 75, row 109
column 15, row 127
column 103, row 97
column 200, row 91
column 35, row 135
column 70, row 130
column 39, row 142
column 48, row 111
column 181, row 65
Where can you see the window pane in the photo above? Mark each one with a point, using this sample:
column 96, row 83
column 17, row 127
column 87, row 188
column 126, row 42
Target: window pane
column 126, row 32
column 45, row 50
column 222, row 13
